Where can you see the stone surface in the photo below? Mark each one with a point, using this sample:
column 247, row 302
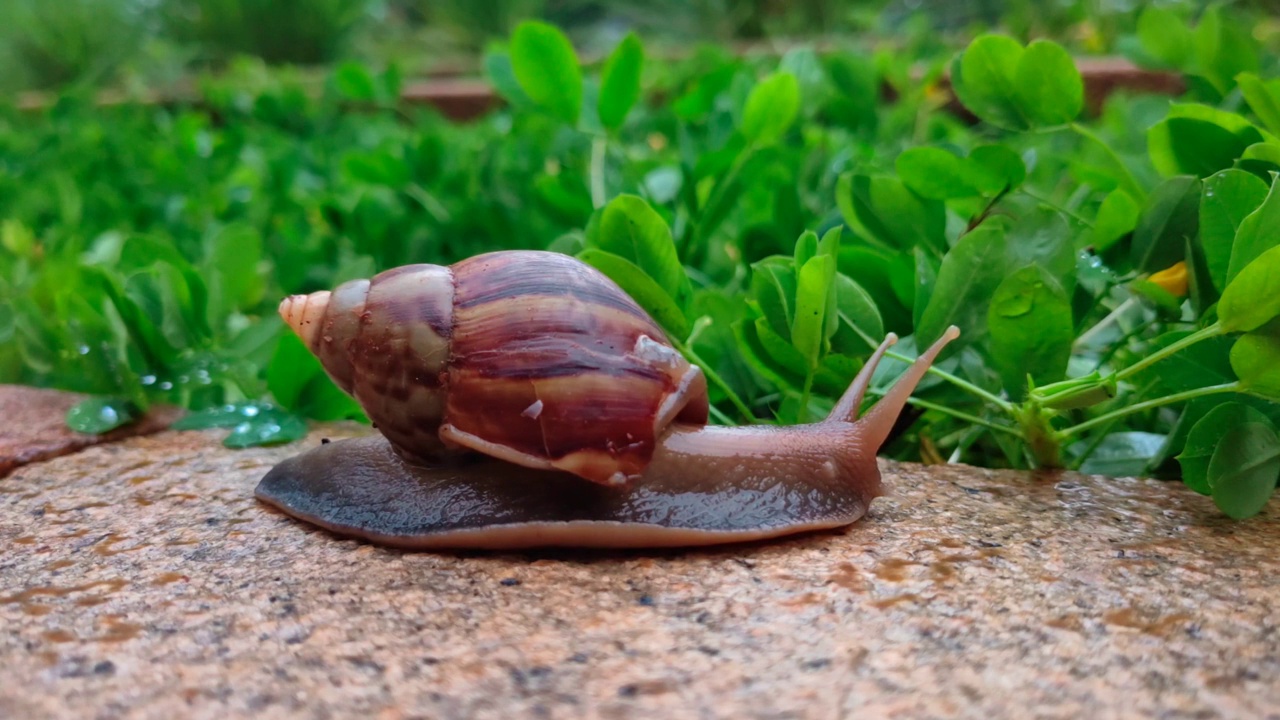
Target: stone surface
column 142, row 580
column 33, row 426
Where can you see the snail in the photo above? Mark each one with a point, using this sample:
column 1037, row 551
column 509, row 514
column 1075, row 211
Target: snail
column 524, row 400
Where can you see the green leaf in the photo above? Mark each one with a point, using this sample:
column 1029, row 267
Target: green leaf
column 993, row 168
column 753, row 350
column 926, row 277
column 223, row 416
column 967, row 278
column 1224, row 48
column 1204, row 438
column 1202, row 364
column 1048, row 87
column 854, row 308
column 1031, row 329
column 829, row 247
column 891, row 212
column 102, row 414
column 889, row 277
column 162, row 295
column 1123, row 454
column 546, row 67
column 16, row 237
column 1043, row 237
column 1257, row 233
column 815, row 288
column 935, row 173
column 1263, row 97
column 1227, row 198
column 355, row 82
column 771, row 108
column 830, row 242
column 252, row 423
column 1262, row 154
column 267, row 429
column 1165, row 36
column 1255, row 357
column 620, row 81
column 234, row 271
column 497, row 66
column 630, row 228
column 857, row 91
column 1117, row 217
column 984, row 78
column 377, row 167
column 1200, row 287
column 292, row 366
column 1252, row 299
column 773, row 285
column 806, row 247
column 1166, row 303
column 642, row 288
column 298, row 382
column 1171, row 215
column 780, row 350
column 1191, row 146
column 1244, row 469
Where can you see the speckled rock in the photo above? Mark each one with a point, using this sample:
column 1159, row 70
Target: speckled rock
column 142, row 580
column 33, row 426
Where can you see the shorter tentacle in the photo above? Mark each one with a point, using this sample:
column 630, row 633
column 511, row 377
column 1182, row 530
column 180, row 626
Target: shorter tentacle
column 846, row 410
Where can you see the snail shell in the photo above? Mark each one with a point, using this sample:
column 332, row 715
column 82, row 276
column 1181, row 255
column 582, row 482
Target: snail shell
column 530, row 357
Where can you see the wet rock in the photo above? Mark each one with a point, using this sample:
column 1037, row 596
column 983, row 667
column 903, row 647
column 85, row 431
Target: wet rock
column 143, row 580
column 34, row 426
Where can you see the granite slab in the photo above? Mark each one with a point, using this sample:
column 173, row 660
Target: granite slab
column 141, row 579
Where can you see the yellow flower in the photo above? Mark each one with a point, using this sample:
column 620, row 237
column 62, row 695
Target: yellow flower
column 1173, row 279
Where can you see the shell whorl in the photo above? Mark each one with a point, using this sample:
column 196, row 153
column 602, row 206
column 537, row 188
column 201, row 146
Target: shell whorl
column 531, row 357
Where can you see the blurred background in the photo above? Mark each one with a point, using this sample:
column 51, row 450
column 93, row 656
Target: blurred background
column 169, row 169
column 155, row 43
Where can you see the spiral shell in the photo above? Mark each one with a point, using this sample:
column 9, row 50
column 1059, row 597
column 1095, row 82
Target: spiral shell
column 531, row 357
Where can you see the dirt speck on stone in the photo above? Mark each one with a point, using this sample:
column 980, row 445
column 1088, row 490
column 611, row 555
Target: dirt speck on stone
column 34, row 428
column 143, row 580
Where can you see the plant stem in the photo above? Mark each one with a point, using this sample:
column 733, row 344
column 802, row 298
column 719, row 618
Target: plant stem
column 974, row 419
column 1111, row 318
column 1195, row 337
column 714, row 200
column 802, row 415
column 1148, row 405
column 599, row 195
column 976, row 220
column 719, row 415
column 1126, row 179
column 716, row 380
column 1092, row 446
column 1046, row 201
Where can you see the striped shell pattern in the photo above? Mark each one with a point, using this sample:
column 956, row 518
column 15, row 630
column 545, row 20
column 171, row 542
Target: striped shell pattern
column 531, row 357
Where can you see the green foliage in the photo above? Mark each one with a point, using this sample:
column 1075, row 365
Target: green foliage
column 546, row 67
column 1114, row 277
column 620, row 82
column 280, row 31
column 251, row 423
column 101, row 414
column 771, row 108
column 48, row 45
column 1018, row 88
column 1217, row 49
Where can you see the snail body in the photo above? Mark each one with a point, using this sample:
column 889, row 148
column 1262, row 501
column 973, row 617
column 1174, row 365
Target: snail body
column 647, row 472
